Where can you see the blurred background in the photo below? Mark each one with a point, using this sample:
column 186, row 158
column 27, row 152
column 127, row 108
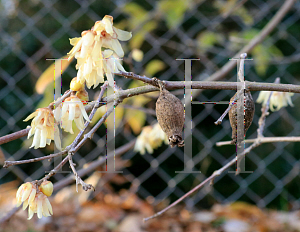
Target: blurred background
column 32, row 31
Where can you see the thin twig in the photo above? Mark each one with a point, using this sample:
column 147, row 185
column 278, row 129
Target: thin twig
column 9, row 163
column 95, row 164
column 85, row 186
column 265, row 140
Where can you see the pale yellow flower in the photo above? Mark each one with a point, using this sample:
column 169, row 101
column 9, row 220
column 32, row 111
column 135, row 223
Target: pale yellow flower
column 150, row 138
column 35, row 199
column 25, row 194
column 110, row 36
column 277, row 101
column 111, row 65
column 43, row 128
column 40, row 205
column 72, row 109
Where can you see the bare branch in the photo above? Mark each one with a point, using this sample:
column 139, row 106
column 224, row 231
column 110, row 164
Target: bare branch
column 265, row 140
column 85, row 186
column 9, row 163
column 95, row 164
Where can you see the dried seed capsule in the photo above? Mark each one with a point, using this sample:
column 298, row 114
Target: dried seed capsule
column 249, row 110
column 170, row 116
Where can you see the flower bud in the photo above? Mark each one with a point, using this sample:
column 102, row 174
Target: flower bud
column 47, row 188
column 76, row 85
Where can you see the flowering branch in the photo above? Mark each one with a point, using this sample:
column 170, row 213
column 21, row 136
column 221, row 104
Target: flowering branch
column 73, row 148
column 171, row 85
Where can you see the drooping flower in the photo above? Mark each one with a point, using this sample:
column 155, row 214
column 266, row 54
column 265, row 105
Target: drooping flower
column 25, row 194
column 35, row 200
column 73, row 109
column 110, row 36
column 111, row 65
column 150, row 138
column 43, row 128
column 277, row 101
column 88, row 50
column 41, row 206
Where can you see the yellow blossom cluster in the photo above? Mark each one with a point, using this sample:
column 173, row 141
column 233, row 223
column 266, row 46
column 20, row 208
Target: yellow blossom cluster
column 36, row 199
column 92, row 60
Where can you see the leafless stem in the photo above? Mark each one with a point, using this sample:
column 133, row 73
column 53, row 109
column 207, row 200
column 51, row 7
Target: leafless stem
column 265, row 140
column 85, row 186
column 95, row 164
column 11, row 163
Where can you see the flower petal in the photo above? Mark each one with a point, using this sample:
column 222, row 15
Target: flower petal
column 116, row 46
column 27, row 190
column 30, row 116
column 123, row 35
column 30, row 213
column 32, row 196
column 49, row 206
column 25, row 204
column 108, row 22
column 39, row 207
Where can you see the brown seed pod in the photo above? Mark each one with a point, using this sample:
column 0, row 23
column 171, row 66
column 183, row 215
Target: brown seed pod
column 170, row 116
column 249, row 110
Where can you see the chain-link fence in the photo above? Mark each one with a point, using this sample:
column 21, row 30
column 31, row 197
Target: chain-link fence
column 32, row 31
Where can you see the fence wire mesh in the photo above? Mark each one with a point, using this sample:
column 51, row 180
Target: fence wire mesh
column 32, row 31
